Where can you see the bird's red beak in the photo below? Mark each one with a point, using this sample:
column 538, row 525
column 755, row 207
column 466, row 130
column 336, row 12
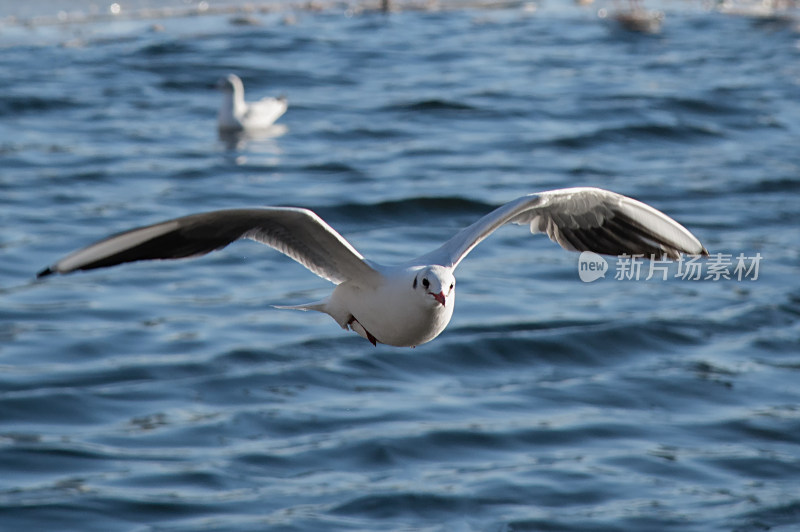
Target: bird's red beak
column 438, row 297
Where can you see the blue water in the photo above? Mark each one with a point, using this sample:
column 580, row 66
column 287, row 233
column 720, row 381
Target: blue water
column 174, row 397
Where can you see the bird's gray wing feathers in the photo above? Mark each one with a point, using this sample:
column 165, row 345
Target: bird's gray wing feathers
column 579, row 219
column 297, row 233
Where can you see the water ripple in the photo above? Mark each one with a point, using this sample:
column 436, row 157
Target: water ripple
column 172, row 396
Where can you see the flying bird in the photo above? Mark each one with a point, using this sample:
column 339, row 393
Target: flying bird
column 411, row 303
column 237, row 115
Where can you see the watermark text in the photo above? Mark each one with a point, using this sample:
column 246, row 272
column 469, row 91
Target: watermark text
column 715, row 267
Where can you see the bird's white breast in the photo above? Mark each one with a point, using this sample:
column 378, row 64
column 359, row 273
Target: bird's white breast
column 393, row 313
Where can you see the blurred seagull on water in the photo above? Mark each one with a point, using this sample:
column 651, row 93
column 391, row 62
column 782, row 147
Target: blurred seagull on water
column 237, row 115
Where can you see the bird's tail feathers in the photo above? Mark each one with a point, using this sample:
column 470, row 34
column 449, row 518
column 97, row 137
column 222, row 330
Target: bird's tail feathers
column 319, row 306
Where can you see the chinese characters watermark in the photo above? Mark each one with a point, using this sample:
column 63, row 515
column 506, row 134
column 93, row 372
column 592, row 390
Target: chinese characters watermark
column 715, row 267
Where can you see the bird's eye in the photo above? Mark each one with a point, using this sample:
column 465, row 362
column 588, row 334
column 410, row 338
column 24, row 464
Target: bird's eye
column 425, row 282
column 452, row 285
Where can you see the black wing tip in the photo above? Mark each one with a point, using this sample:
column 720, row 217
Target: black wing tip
column 675, row 254
column 44, row 273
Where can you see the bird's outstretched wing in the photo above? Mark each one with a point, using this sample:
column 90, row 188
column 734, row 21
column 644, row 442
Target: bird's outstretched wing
column 297, row 233
column 579, row 219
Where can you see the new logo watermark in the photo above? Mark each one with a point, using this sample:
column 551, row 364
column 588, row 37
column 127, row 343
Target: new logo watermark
column 591, row 266
column 715, row 267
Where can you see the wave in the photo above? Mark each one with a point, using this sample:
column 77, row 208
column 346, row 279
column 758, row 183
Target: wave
column 785, row 184
column 331, row 167
column 714, row 106
column 11, row 105
column 433, row 104
column 709, row 105
column 170, row 47
column 639, row 132
column 415, row 208
column 424, row 504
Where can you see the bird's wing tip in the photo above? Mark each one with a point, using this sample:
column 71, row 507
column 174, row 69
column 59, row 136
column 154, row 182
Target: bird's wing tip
column 44, row 273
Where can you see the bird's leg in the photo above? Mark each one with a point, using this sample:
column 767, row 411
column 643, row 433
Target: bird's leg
column 371, row 338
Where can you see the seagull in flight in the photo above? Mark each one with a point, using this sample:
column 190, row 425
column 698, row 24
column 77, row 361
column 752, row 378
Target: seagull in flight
column 408, row 304
column 237, row 115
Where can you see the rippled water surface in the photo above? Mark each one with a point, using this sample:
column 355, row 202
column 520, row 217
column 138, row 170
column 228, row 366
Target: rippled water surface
column 173, row 396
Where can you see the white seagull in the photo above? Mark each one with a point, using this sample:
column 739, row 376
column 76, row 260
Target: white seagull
column 237, row 115
column 411, row 303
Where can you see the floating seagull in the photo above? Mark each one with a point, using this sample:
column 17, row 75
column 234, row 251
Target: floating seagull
column 237, row 115
column 411, row 303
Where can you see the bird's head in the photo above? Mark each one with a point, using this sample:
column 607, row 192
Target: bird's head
column 229, row 83
column 435, row 284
